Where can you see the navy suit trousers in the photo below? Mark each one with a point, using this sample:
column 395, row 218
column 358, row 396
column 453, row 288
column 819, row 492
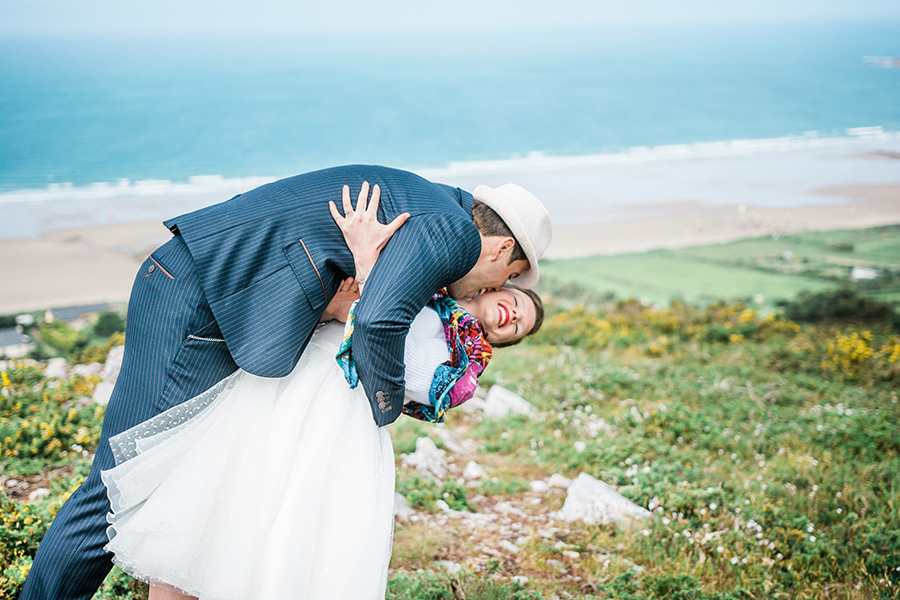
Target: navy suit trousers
column 173, row 351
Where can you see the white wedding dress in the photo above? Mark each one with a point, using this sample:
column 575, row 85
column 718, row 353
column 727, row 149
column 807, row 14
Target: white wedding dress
column 265, row 488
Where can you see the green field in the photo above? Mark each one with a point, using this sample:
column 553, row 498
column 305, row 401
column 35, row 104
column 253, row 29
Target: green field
column 774, row 269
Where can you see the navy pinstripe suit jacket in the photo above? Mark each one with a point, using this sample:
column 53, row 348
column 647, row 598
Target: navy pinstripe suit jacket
column 269, row 261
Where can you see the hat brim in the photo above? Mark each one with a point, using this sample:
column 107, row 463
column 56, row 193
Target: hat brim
column 501, row 205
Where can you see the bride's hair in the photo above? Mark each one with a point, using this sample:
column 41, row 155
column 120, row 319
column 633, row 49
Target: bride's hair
column 538, row 314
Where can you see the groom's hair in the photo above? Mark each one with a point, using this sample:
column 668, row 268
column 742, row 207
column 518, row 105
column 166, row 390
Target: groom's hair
column 538, row 314
column 490, row 224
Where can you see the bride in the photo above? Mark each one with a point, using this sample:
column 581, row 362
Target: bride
column 283, row 488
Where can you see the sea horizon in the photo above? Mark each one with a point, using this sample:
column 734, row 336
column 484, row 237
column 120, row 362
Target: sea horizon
column 90, row 120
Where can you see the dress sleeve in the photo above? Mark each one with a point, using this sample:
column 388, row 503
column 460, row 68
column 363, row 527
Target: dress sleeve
column 426, row 350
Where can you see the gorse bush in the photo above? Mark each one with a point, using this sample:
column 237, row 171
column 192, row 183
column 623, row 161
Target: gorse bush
column 98, row 350
column 841, row 305
column 44, row 423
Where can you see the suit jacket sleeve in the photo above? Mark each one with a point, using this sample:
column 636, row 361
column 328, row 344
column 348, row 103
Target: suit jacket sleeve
column 427, row 253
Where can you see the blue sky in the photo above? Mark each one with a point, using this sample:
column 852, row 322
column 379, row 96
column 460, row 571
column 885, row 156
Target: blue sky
column 203, row 16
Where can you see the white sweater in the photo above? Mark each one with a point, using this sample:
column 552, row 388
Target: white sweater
column 426, row 350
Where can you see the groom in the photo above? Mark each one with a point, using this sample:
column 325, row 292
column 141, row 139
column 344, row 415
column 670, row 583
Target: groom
column 243, row 284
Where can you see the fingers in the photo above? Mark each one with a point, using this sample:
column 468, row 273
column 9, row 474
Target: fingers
column 376, row 198
column 345, row 197
column 337, row 216
column 362, row 200
column 397, row 222
column 354, row 286
column 389, row 230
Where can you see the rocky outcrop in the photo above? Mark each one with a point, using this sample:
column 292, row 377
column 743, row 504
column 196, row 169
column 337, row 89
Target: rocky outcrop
column 592, row 501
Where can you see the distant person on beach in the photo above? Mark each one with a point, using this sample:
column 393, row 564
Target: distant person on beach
column 242, row 284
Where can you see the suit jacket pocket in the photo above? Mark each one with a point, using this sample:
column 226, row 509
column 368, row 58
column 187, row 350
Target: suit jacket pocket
column 307, row 273
column 202, row 359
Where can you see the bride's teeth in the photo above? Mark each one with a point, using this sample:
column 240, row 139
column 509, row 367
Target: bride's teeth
column 504, row 316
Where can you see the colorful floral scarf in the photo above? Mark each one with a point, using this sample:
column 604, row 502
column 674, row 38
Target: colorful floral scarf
column 455, row 380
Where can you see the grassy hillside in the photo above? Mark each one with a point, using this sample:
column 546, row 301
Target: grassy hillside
column 768, row 451
column 772, row 268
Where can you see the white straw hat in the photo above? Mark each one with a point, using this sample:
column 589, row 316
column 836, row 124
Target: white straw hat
column 526, row 217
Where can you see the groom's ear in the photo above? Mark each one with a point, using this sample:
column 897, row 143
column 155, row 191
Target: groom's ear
column 503, row 247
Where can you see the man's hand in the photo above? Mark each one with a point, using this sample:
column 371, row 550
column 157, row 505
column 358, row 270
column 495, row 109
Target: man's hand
column 339, row 307
column 364, row 234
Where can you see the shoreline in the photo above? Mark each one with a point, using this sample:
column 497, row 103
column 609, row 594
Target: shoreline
column 98, row 263
column 689, row 224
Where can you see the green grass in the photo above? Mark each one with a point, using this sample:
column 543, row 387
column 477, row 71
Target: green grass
column 740, row 270
column 768, row 450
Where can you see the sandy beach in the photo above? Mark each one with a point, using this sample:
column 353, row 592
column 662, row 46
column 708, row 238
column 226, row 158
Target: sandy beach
column 688, row 224
column 91, row 264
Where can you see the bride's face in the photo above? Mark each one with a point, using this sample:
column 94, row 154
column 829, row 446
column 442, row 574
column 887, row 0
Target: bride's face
column 506, row 315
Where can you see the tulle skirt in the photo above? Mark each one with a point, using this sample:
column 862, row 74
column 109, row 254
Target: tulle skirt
column 259, row 488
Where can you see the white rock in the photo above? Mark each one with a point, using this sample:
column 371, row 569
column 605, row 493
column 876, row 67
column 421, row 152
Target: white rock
column 428, row 460
column 592, row 501
column 88, row 370
column 571, row 554
column 579, row 446
column 449, row 566
column 473, row 471
column 558, row 481
column 103, row 392
column 520, row 579
column 442, row 506
column 508, row 546
column 113, row 364
column 402, row 511
column 497, row 402
column 57, row 368
column 539, row 486
column 39, row 493
column 454, row 442
column 637, row 568
column 556, row 563
column 508, row 508
column 500, row 401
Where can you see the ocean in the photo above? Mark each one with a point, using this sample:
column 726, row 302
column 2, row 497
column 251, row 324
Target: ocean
column 89, row 115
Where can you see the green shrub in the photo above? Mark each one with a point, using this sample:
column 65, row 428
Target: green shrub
column 841, row 305
column 109, row 323
column 439, row 586
column 422, row 493
column 59, row 336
